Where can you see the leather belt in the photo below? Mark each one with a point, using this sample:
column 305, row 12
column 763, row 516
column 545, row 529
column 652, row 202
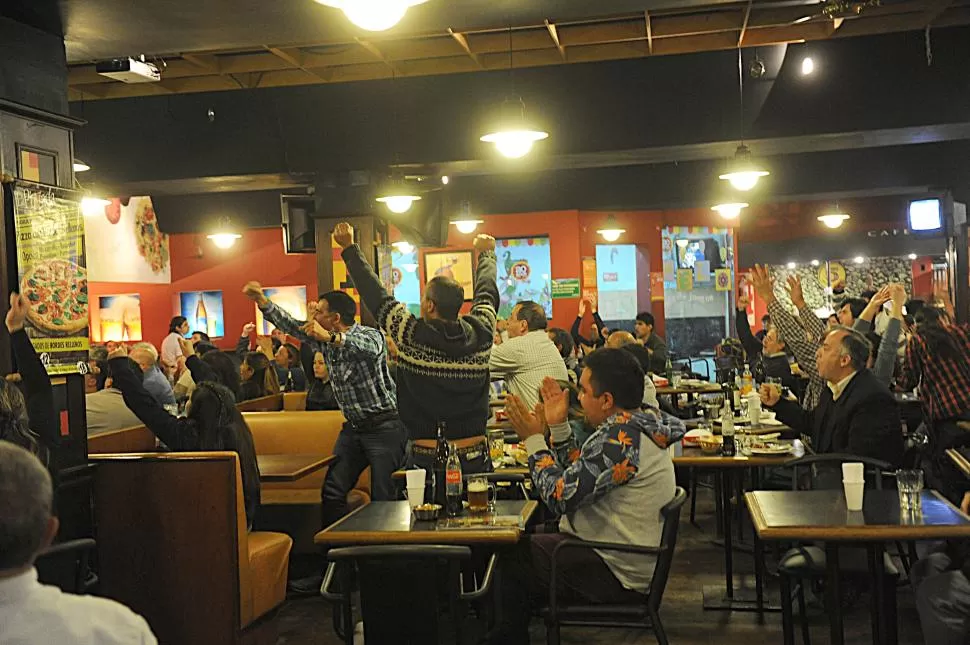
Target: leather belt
column 459, row 443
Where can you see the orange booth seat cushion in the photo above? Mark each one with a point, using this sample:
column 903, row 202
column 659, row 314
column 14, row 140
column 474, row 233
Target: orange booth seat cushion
column 269, row 557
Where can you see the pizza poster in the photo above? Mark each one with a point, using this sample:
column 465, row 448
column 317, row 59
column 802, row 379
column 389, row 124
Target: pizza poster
column 52, row 274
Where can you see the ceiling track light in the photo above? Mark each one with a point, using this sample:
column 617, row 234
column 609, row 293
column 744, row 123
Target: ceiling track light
column 611, row 231
column 373, row 15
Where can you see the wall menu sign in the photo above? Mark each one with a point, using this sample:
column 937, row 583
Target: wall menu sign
column 565, row 288
column 52, row 274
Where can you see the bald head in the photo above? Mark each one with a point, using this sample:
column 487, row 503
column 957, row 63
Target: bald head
column 620, row 338
column 26, row 522
column 144, row 356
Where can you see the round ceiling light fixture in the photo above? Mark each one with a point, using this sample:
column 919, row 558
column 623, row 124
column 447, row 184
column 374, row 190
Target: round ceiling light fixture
column 611, row 231
column 80, row 166
column 225, row 236
column 808, row 66
column 373, row 15
column 404, row 247
column 514, row 136
column 859, row 259
column 397, row 196
column 91, row 206
column 467, row 226
column 730, row 210
column 833, row 220
column 744, row 173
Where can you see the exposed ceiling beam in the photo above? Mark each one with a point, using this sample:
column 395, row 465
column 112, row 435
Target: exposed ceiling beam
column 744, row 25
column 554, row 34
column 296, row 57
column 205, row 61
column 646, row 18
column 373, row 49
column 463, row 43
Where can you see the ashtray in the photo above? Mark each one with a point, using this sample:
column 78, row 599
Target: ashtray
column 427, row 512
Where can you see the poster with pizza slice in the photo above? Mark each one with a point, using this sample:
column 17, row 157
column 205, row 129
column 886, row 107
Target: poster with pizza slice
column 125, row 243
column 52, row 274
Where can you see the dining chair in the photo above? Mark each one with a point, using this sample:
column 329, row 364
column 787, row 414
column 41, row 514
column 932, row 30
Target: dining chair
column 644, row 612
column 367, row 562
column 67, row 565
column 808, row 562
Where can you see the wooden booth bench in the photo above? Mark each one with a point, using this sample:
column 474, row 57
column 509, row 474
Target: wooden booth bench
column 174, row 547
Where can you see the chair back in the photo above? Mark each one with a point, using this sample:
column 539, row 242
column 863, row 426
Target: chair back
column 387, row 613
column 825, row 470
column 668, row 542
column 66, row 565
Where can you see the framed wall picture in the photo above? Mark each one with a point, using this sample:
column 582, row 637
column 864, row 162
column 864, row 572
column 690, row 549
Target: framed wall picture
column 203, row 310
column 452, row 264
column 292, row 300
column 117, row 318
column 524, row 272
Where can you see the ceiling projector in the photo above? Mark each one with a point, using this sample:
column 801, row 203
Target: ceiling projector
column 129, row 70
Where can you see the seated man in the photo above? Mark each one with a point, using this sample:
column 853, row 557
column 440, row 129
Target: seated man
column 765, row 351
column 656, row 346
column 106, row 409
column 856, row 414
column 610, row 490
column 624, row 340
column 29, row 611
column 528, row 356
column 155, row 382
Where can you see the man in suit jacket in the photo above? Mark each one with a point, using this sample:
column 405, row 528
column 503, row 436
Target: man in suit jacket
column 856, row 413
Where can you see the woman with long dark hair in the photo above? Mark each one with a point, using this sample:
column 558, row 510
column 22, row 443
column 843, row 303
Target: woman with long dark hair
column 213, row 422
column 258, row 377
column 938, row 360
column 319, row 394
column 224, row 371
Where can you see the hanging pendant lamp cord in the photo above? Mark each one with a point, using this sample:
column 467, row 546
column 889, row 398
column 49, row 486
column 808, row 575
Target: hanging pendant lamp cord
column 741, row 91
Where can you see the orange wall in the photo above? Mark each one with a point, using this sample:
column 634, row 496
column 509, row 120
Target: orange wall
column 257, row 256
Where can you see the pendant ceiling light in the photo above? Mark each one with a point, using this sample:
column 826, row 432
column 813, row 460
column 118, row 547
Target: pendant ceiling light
column 91, row 206
column 397, row 196
column 373, row 15
column 465, row 222
column 514, row 135
column 404, row 247
column 729, row 210
column 611, row 231
column 833, row 220
column 80, row 166
column 743, row 174
column 224, row 237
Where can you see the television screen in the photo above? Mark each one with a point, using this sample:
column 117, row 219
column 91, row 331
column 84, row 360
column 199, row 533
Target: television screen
column 925, row 215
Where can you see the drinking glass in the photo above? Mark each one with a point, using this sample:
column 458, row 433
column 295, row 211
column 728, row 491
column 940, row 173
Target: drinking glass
column 496, row 447
column 909, row 483
column 481, row 494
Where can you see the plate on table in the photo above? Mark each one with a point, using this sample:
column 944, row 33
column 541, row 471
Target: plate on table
column 771, row 450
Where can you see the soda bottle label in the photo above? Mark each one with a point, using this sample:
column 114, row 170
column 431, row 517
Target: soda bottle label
column 453, row 477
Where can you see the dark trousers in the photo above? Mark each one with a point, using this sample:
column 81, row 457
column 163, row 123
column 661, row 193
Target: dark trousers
column 525, row 577
column 379, row 445
column 474, row 459
column 942, row 599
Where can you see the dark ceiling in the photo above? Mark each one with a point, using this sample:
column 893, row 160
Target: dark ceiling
column 106, row 28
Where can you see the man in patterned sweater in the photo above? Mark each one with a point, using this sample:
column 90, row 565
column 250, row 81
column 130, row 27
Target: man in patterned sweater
column 442, row 363
column 610, row 490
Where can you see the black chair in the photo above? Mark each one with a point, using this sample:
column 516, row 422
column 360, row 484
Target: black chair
column 644, row 613
column 67, row 565
column 808, row 562
column 373, row 584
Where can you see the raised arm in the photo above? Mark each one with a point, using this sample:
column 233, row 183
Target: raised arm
column 283, row 321
column 751, row 345
column 789, row 328
column 37, row 384
column 811, row 323
column 485, row 302
column 175, row 433
column 242, row 345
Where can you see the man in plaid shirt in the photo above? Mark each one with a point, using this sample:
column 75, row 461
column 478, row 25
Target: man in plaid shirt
column 356, row 356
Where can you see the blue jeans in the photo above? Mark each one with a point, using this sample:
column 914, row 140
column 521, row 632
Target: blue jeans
column 380, row 446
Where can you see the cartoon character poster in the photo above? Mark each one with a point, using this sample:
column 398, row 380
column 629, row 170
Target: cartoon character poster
column 524, row 273
column 451, row 264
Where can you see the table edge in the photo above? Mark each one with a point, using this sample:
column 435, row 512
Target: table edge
column 297, row 474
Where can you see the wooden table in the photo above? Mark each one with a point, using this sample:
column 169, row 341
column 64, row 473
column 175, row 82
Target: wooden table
column 822, row 515
column 731, row 599
column 689, row 389
column 289, row 468
column 393, row 523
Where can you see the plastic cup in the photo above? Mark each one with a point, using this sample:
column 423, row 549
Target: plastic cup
column 415, row 495
column 853, row 471
column 415, row 477
column 854, row 492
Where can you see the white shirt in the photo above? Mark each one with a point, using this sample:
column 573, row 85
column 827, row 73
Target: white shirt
column 171, row 350
column 106, row 410
column 524, row 361
column 32, row 613
column 838, row 388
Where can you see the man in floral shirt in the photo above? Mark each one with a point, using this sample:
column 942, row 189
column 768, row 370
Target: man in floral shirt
column 611, row 490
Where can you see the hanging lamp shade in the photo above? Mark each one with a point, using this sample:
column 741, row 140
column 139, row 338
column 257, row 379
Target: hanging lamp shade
column 397, row 195
column 373, row 15
column 833, row 220
column 513, row 134
column 224, row 236
column 611, row 230
column 743, row 173
column 729, row 209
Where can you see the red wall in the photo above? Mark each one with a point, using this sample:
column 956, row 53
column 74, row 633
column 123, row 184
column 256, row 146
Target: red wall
column 198, row 265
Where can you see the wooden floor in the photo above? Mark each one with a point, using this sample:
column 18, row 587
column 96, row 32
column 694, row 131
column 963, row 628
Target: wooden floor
column 696, row 564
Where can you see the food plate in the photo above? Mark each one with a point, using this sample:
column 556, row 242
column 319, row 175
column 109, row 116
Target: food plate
column 771, row 451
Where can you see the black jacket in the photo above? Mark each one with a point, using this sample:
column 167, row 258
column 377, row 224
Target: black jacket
column 863, row 421
column 774, row 366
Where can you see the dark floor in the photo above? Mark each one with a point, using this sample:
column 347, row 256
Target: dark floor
column 697, row 563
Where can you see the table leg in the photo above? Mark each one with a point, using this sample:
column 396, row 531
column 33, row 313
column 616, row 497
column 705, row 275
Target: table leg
column 728, row 547
column 759, row 577
column 834, row 593
column 884, row 599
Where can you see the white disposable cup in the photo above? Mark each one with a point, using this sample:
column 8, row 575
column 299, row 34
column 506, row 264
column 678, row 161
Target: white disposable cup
column 854, row 492
column 853, row 471
column 415, row 495
column 415, row 477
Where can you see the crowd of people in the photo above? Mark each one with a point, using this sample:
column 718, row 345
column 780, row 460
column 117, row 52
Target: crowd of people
column 585, row 409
